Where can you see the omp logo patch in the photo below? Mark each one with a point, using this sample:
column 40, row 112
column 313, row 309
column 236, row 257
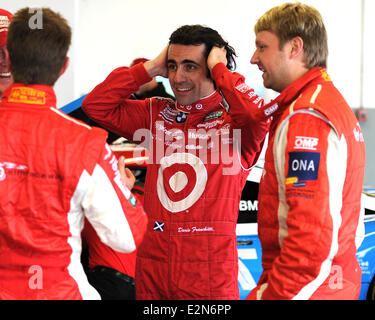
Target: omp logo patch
column 306, row 143
column 303, row 168
column 271, row 109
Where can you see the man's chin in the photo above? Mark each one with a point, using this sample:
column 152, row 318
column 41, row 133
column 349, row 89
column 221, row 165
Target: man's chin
column 184, row 102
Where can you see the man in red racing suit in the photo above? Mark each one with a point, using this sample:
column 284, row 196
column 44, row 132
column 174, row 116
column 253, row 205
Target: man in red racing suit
column 54, row 171
column 310, row 192
column 195, row 174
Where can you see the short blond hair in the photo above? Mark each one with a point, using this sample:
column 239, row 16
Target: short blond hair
column 296, row 19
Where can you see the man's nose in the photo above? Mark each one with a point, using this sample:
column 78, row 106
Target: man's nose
column 255, row 58
column 179, row 75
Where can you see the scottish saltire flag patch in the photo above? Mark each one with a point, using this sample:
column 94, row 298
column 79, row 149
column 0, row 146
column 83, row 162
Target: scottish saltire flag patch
column 159, row 226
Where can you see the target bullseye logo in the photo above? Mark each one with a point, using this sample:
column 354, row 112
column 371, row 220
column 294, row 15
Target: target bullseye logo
column 182, row 179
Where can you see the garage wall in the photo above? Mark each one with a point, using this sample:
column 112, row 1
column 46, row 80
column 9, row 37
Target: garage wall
column 368, row 66
column 368, row 129
column 113, row 35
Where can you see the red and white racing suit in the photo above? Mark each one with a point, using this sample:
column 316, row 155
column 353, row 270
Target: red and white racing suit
column 194, row 181
column 310, row 194
column 54, row 170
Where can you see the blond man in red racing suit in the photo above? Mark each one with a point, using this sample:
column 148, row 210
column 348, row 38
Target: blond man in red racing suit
column 310, row 192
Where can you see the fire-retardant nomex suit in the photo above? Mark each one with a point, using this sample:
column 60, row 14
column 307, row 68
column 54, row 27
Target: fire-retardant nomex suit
column 194, row 180
column 52, row 169
column 310, row 194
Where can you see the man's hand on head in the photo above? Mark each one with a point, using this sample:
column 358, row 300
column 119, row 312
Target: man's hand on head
column 158, row 66
column 216, row 56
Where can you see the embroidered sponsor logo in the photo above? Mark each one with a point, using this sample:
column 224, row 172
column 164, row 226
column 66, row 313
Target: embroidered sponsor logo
column 195, row 229
column 213, row 115
column 212, row 143
column 27, row 95
column 271, row 109
column 306, row 143
column 243, row 88
column 210, row 125
column 164, row 99
column 358, row 136
column 133, row 201
column 303, row 168
column 10, row 169
column 181, row 117
column 168, row 114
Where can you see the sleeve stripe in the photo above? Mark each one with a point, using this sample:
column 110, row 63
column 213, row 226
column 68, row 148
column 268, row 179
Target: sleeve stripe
column 62, row 114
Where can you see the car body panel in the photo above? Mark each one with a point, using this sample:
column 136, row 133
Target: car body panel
column 247, row 232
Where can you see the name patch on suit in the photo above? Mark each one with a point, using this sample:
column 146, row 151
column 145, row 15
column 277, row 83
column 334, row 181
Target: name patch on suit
column 303, row 167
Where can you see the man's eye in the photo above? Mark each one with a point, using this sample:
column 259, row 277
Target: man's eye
column 191, row 67
column 171, row 67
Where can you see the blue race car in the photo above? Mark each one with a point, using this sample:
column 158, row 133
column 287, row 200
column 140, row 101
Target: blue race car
column 366, row 252
column 250, row 251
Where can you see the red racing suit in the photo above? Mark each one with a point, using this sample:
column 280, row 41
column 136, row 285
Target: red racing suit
column 54, row 171
column 310, row 194
column 195, row 177
column 102, row 255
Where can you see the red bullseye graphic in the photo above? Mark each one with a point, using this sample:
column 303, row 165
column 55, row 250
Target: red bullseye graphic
column 181, row 181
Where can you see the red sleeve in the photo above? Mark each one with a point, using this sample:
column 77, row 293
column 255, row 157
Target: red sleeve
column 109, row 104
column 118, row 219
column 245, row 109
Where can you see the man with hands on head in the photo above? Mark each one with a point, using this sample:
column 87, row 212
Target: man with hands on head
column 201, row 153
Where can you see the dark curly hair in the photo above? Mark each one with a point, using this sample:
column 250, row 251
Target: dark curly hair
column 197, row 35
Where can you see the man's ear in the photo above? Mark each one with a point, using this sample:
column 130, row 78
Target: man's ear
column 296, row 47
column 65, row 66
